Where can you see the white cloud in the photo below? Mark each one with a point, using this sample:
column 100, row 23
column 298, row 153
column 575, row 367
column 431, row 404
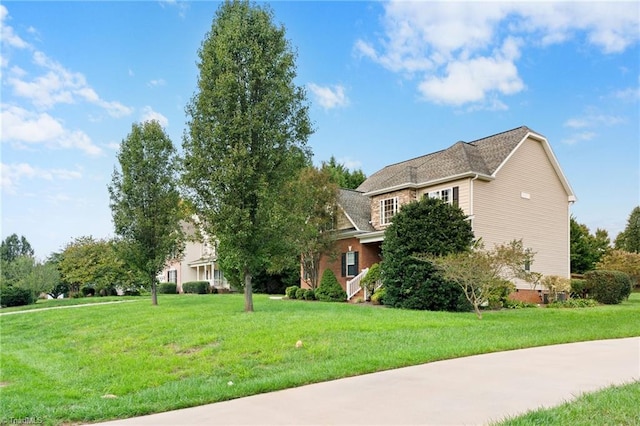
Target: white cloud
column 59, row 85
column 12, row 174
column 329, row 97
column 157, row 82
column 466, row 52
column 593, row 120
column 579, row 137
column 148, row 114
column 628, row 94
column 7, row 35
column 21, row 127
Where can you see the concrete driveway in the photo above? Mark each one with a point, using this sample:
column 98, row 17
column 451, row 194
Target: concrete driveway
column 473, row 390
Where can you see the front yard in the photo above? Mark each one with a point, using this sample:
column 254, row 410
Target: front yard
column 122, row 360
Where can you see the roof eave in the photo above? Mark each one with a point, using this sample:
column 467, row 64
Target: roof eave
column 411, row 185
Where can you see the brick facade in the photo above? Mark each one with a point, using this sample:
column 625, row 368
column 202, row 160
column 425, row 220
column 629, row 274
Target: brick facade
column 368, row 254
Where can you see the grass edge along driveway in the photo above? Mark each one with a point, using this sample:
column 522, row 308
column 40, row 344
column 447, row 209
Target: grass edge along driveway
column 124, row 360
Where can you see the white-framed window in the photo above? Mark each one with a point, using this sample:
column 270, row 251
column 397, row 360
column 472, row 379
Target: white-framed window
column 350, row 264
column 388, row 209
column 448, row 195
column 172, row 276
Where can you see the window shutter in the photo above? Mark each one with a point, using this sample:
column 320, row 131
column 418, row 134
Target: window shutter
column 343, row 269
column 455, row 196
column 355, row 261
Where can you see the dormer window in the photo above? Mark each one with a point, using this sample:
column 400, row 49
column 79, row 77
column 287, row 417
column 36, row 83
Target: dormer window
column 388, row 209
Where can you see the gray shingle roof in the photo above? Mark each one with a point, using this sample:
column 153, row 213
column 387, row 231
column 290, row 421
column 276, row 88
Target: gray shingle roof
column 356, row 205
column 482, row 156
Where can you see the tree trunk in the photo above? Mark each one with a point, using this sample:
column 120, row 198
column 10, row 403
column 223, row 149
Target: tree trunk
column 248, row 292
column 154, row 292
column 476, row 308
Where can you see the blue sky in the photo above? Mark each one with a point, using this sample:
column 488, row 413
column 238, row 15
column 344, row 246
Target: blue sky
column 386, row 81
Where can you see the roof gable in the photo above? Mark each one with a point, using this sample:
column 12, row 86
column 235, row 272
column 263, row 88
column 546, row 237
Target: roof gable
column 483, row 157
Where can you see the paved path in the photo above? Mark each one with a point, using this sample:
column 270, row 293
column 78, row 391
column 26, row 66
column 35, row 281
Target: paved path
column 81, row 305
column 474, row 390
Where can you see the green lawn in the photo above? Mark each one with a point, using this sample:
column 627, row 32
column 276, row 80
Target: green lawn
column 618, row 405
column 58, row 365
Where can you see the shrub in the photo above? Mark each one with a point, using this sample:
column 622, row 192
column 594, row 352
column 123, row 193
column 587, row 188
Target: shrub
column 609, row 287
column 300, row 293
column 291, row 291
column 15, row 296
column 499, row 295
column 330, row 289
column 167, row 288
column 579, row 289
column 574, row 303
column 517, row 304
column 88, row 291
column 378, row 297
column 417, row 229
column 132, row 292
column 371, row 280
column 196, row 287
column 556, row 284
column 309, row 294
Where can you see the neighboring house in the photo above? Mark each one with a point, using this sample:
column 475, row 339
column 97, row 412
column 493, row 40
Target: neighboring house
column 199, row 261
column 510, row 186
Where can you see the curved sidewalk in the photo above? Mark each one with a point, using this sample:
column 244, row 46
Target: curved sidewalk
column 474, row 390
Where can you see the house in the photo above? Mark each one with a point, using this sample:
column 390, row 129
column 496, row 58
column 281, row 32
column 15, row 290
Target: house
column 199, row 261
column 509, row 185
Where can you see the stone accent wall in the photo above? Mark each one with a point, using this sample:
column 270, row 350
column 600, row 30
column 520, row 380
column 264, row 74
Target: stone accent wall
column 405, row 196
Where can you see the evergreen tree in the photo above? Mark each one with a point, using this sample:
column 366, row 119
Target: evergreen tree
column 629, row 239
column 429, row 227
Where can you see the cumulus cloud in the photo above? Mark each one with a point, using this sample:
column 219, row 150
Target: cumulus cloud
column 467, row 52
column 59, row 85
column 12, row 174
column 329, row 97
column 148, row 114
column 21, row 127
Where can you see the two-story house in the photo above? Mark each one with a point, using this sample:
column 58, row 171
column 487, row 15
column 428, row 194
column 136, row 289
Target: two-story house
column 509, row 185
column 199, row 261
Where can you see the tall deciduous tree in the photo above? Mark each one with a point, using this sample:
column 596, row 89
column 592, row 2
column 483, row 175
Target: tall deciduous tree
column 629, row 239
column 247, row 133
column 316, row 198
column 145, row 201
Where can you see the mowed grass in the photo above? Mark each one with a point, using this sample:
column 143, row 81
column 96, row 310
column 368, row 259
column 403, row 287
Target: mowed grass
column 122, row 360
column 618, row 405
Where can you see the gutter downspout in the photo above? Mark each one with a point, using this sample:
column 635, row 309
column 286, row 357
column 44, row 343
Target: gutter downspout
column 471, row 211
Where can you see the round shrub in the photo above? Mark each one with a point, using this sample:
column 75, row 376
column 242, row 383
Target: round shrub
column 579, row 289
column 609, row 287
column 309, row 294
column 167, row 288
column 15, row 296
column 291, row 291
column 378, row 297
column 196, row 287
column 330, row 289
column 300, row 293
